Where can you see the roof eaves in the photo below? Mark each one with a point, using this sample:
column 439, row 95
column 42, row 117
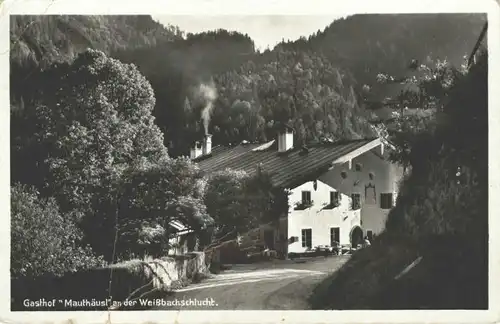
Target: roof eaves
column 179, row 226
column 358, row 151
column 292, row 182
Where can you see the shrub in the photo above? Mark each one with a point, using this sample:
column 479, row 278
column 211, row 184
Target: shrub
column 44, row 241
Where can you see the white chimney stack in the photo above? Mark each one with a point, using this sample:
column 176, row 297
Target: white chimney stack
column 207, row 144
column 196, row 150
column 285, row 139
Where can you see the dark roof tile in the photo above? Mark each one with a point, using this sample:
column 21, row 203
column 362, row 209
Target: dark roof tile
column 285, row 169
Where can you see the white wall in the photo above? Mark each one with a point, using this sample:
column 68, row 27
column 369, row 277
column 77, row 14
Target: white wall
column 178, row 245
column 369, row 217
column 318, row 219
column 386, row 180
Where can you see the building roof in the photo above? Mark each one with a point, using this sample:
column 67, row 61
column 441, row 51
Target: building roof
column 287, row 169
column 179, row 227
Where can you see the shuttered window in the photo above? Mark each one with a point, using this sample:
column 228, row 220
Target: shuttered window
column 356, row 201
column 386, row 201
column 334, row 198
column 306, row 197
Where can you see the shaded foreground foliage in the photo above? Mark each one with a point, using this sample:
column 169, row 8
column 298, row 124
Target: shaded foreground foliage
column 45, row 241
column 441, row 214
column 88, row 145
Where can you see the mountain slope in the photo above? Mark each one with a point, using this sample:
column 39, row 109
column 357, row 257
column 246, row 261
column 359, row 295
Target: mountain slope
column 40, row 40
column 369, row 44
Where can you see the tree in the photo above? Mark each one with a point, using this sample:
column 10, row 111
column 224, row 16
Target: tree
column 44, row 240
column 239, row 202
column 225, row 201
column 427, row 90
column 153, row 196
column 428, row 85
column 93, row 120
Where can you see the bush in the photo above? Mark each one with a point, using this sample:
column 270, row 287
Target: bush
column 439, row 204
column 43, row 241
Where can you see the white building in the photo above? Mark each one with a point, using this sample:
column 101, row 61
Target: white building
column 179, row 238
column 340, row 191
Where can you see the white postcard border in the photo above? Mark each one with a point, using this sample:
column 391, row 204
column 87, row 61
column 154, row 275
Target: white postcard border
column 253, row 7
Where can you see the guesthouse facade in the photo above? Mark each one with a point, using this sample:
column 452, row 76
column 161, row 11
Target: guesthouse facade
column 340, row 191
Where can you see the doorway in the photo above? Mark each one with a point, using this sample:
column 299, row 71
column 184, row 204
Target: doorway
column 356, row 236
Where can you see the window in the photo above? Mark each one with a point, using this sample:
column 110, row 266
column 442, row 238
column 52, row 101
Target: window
column 307, row 238
column 306, row 197
column 356, row 201
column 334, row 236
column 369, row 234
column 334, row 198
column 386, row 200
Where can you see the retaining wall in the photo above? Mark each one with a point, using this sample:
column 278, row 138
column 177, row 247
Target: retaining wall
column 75, row 291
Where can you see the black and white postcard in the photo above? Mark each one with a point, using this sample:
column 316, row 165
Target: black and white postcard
column 250, row 161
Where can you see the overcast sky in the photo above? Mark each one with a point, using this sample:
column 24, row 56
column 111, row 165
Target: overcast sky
column 266, row 31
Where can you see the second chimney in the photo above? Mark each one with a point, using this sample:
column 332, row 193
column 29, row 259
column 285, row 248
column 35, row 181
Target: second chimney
column 285, row 139
column 196, row 151
column 207, row 144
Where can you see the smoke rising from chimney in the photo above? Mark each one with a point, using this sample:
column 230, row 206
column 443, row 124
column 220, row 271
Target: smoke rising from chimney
column 208, row 93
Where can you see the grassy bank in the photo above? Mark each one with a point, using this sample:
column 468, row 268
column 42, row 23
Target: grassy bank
column 451, row 275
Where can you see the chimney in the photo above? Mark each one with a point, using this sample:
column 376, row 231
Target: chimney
column 196, row 150
column 285, row 139
column 207, row 144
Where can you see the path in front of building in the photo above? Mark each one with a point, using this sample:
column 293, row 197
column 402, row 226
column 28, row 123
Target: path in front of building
column 280, row 285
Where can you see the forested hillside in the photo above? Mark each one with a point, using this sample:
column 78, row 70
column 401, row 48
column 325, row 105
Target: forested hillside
column 176, row 71
column 41, row 40
column 243, row 101
column 217, row 82
column 370, row 44
column 38, row 41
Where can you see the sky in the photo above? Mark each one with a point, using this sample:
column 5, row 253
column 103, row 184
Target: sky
column 265, row 30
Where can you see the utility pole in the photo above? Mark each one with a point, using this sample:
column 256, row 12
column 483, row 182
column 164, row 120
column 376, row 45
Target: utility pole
column 478, row 44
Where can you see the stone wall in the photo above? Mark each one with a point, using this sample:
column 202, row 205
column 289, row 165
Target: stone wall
column 126, row 280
